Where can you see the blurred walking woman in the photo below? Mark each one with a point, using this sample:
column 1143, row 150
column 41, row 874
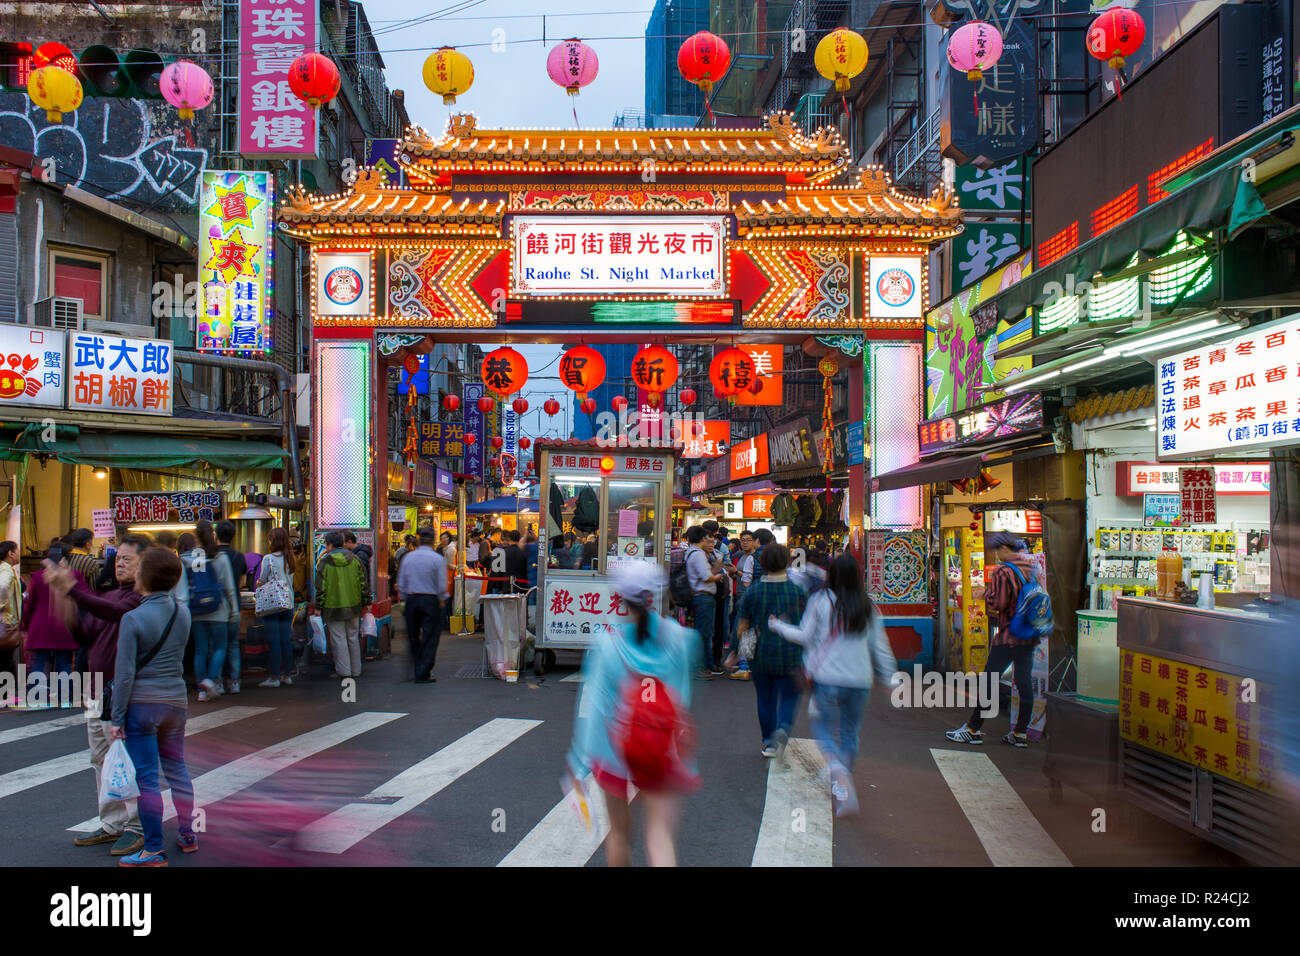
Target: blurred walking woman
column 633, row 726
column 278, row 566
column 845, row 650
column 149, row 700
column 207, row 574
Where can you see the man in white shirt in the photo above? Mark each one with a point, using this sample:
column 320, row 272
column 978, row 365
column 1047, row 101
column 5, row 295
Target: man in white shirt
column 422, row 584
column 704, row 577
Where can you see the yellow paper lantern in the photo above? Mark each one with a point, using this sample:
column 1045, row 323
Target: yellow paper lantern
column 449, row 73
column 841, row 55
column 54, row 90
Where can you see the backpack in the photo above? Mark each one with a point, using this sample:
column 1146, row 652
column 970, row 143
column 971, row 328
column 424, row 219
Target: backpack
column 586, row 511
column 654, row 735
column 679, row 586
column 1032, row 620
column 206, row 593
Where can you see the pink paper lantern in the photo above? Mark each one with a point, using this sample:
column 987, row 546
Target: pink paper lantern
column 572, row 64
column 186, row 86
column 974, row 47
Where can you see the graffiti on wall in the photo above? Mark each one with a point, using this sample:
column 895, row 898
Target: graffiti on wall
column 116, row 149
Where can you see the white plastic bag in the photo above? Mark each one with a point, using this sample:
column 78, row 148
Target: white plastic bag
column 318, row 642
column 117, row 782
column 369, row 627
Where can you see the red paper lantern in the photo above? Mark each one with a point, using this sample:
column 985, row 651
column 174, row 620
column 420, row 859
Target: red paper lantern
column 497, row 441
column 618, row 402
column 687, row 397
column 525, row 443
column 607, row 464
column 520, row 405
column 451, row 402
column 582, row 369
column 493, row 462
column 486, row 404
column 588, row 406
column 314, row 79
column 551, row 406
column 703, row 60
column 504, row 370
column 654, row 369
column 469, row 438
column 732, row 371
column 412, row 364
column 1115, row 34
column 756, row 387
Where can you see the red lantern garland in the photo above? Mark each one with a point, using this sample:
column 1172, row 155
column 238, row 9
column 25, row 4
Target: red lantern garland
column 525, row 443
column 469, row 438
column 687, row 397
column 588, row 406
column 618, row 403
column 497, row 441
column 703, row 60
column 520, row 405
column 582, row 369
column 451, row 402
column 314, row 79
column 551, row 407
column 486, row 404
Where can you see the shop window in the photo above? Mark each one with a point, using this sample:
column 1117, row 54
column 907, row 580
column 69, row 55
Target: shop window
column 583, row 553
column 629, row 522
column 83, row 276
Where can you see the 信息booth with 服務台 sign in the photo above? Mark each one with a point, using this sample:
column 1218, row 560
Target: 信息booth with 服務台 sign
column 616, row 502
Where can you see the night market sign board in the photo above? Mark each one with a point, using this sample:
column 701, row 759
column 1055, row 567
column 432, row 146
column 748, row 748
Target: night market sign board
column 167, row 507
column 235, row 261
column 1233, row 395
column 670, row 256
column 85, row 370
column 1011, row 417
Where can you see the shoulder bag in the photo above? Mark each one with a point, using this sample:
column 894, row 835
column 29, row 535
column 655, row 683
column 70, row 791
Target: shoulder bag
column 106, row 705
column 274, row 595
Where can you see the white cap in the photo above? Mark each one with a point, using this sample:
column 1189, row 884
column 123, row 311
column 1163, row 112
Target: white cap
column 639, row 582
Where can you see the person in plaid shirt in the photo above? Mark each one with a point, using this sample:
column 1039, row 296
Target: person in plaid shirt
column 776, row 662
column 1000, row 598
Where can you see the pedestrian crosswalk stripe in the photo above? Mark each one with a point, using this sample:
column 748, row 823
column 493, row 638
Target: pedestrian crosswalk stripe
column 797, row 827
column 44, row 727
column 349, row 825
column 18, row 780
column 253, row 768
column 1006, row 828
column 560, row 838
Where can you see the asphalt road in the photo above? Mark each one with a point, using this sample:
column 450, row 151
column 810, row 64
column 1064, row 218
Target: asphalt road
column 466, row 771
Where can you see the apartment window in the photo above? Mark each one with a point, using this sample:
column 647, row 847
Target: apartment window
column 81, row 275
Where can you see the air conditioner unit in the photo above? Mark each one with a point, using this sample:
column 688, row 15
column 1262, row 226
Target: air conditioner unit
column 57, row 313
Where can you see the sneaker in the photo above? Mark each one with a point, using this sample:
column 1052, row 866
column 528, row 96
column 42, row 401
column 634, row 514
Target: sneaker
column 964, row 735
column 846, row 798
column 780, row 739
column 717, row 671
column 203, row 696
column 769, row 750
column 286, row 681
column 1016, row 740
column 232, row 687
column 95, row 839
column 705, row 674
column 127, row 844
column 188, row 842
column 208, row 688
column 144, row 859
column 740, row 673
column 269, row 683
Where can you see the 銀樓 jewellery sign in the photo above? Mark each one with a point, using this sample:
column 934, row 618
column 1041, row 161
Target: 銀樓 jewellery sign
column 620, row 255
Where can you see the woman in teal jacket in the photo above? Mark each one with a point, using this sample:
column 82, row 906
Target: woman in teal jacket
column 645, row 645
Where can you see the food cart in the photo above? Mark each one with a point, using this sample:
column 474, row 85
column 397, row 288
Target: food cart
column 617, row 500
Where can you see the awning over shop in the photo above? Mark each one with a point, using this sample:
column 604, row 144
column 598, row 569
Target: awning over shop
column 929, row 473
column 509, row 504
column 1218, row 195
column 133, row 450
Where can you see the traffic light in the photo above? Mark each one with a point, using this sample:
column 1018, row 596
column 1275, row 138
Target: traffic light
column 134, row 76
column 102, row 72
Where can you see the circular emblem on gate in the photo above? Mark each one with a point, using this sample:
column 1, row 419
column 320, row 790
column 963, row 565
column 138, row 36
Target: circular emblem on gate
column 895, row 287
column 343, row 285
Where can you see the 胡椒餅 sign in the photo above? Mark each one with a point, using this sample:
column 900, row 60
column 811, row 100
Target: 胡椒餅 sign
column 585, row 256
column 1011, row 417
column 155, row 507
column 1236, row 394
column 235, row 261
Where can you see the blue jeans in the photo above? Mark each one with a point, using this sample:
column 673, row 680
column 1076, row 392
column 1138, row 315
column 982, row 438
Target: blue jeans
column 279, row 638
column 778, row 696
column 705, row 607
column 845, row 706
column 154, row 732
column 50, row 664
column 209, row 649
column 233, row 661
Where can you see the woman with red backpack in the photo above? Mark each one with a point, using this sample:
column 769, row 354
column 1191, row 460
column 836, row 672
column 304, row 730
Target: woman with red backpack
column 633, row 725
